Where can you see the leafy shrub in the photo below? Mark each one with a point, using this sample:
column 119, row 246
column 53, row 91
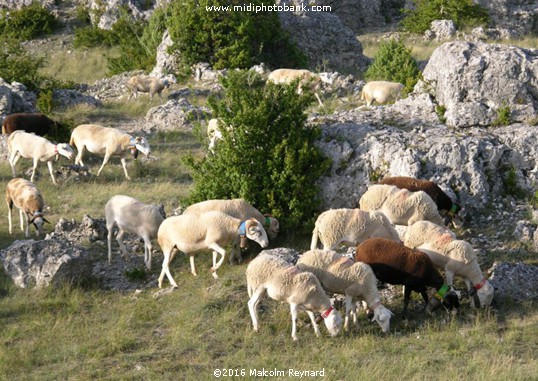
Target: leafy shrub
column 440, row 110
column 462, row 12
column 45, row 102
column 394, row 62
column 28, row 22
column 18, row 65
column 503, row 115
column 269, row 157
column 91, row 36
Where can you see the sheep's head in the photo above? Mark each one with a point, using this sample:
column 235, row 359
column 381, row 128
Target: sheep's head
column 482, row 296
column 272, row 225
column 142, row 145
column 255, row 231
column 65, row 150
column 333, row 321
column 382, row 316
column 445, row 296
column 38, row 220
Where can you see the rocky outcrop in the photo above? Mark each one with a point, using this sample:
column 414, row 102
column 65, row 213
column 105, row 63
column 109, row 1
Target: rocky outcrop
column 15, row 97
column 18, row 4
column 166, row 63
column 105, row 13
column 441, row 30
column 514, row 281
column 175, row 115
column 68, row 98
column 520, row 17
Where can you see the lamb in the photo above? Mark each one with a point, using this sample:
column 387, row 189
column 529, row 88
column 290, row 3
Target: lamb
column 340, row 275
column 28, row 199
column 108, row 142
column 238, row 208
column 455, row 256
column 445, row 205
column 306, row 77
column 381, row 92
column 212, row 230
column 286, row 283
column 30, row 146
column 394, row 263
column 401, row 206
column 37, row 123
column 350, row 227
column 133, row 216
column 146, row 84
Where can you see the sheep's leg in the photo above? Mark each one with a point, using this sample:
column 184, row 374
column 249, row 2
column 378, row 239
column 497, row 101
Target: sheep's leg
column 109, row 240
column 34, row 168
column 78, row 159
column 147, row 251
column 217, row 248
column 13, row 161
column 253, row 306
column 293, row 311
column 314, row 324
column 349, row 302
column 9, row 207
column 105, row 161
column 124, row 165
column 49, row 164
column 407, row 298
column 193, row 269
column 319, row 100
column 166, row 268
column 123, row 249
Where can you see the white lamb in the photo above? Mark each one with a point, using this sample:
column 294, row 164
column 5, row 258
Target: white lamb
column 30, row 146
column 133, row 216
column 190, row 233
column 350, row 227
column 107, row 141
column 338, row 274
column 381, row 92
column 146, row 84
column 238, row 208
column 213, row 133
column 401, row 206
column 286, row 283
column 27, row 198
column 287, row 76
column 455, row 256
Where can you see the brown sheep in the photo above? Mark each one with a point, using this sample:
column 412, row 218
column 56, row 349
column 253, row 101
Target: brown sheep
column 39, row 124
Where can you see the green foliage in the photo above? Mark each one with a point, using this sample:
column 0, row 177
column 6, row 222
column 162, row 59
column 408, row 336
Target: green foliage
column 18, row 65
column 45, row 102
column 268, row 157
column 136, row 274
column 91, row 36
column 28, row 22
column 394, row 62
column 440, row 110
column 511, row 187
column 462, row 12
column 503, row 115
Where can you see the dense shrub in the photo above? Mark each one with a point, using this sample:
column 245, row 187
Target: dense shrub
column 462, row 12
column 28, row 22
column 269, row 157
column 18, row 65
column 394, row 62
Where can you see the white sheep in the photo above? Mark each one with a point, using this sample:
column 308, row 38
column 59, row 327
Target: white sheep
column 146, row 84
column 287, row 76
column 108, row 142
column 350, row 227
column 30, row 146
column 133, row 216
column 455, row 256
column 338, row 274
column 401, row 206
column 238, row 208
column 190, row 233
column 213, row 133
column 28, row 199
column 381, row 92
column 286, row 283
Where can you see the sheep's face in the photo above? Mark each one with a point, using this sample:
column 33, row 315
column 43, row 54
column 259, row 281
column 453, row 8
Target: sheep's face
column 65, row 150
column 484, row 294
column 38, row 221
column 142, row 145
column 382, row 316
column 255, row 231
column 273, row 228
column 333, row 322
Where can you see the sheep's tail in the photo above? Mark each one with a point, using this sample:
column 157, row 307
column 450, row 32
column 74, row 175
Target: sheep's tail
column 72, row 140
column 314, row 243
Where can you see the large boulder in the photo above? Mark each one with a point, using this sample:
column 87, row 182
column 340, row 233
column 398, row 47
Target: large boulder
column 518, row 16
column 14, row 97
column 166, row 63
column 515, row 281
column 175, row 115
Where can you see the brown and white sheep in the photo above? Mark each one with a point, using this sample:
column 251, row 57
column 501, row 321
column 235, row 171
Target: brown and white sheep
column 381, row 92
column 305, row 77
column 146, row 84
column 37, row 123
column 28, row 199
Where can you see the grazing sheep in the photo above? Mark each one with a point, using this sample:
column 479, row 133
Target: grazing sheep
column 456, row 257
column 190, row 233
column 286, row 283
column 350, row 227
column 401, row 206
column 445, row 205
column 27, row 198
column 306, row 77
column 30, row 146
column 146, row 84
column 381, row 92
column 238, row 208
column 37, row 123
column 108, row 142
column 340, row 275
column 394, row 263
column 133, row 216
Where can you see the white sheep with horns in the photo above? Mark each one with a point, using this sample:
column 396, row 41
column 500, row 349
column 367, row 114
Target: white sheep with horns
column 107, row 141
column 339, row 274
column 190, row 233
column 456, row 257
column 381, row 92
column 286, row 283
column 28, row 199
column 30, row 146
column 133, row 216
column 350, row 227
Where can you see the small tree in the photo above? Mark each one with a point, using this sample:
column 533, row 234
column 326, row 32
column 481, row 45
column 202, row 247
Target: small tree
column 394, row 62
column 268, row 157
column 16, row 64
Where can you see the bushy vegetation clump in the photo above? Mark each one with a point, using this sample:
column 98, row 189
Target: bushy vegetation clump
column 268, row 157
column 28, row 22
column 394, row 62
column 16, row 64
column 464, row 13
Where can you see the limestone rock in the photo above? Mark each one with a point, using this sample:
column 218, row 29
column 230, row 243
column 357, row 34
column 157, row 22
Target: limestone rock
column 175, row 115
column 443, row 30
column 516, row 281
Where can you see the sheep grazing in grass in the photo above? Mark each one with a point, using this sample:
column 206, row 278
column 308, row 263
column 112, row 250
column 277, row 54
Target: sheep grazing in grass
column 445, row 205
column 107, row 141
column 238, row 208
column 27, row 198
column 133, row 216
column 340, row 275
column 146, row 84
column 455, row 256
column 305, row 77
column 401, row 206
column 190, row 233
column 394, row 263
column 350, row 227
column 37, row 123
column 286, row 283
column 30, row 146
column 381, row 92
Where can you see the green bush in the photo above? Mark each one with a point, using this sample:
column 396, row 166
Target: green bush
column 44, row 102
column 28, row 22
column 503, row 115
column 394, row 62
column 91, row 36
column 462, row 12
column 18, row 65
column 269, row 157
